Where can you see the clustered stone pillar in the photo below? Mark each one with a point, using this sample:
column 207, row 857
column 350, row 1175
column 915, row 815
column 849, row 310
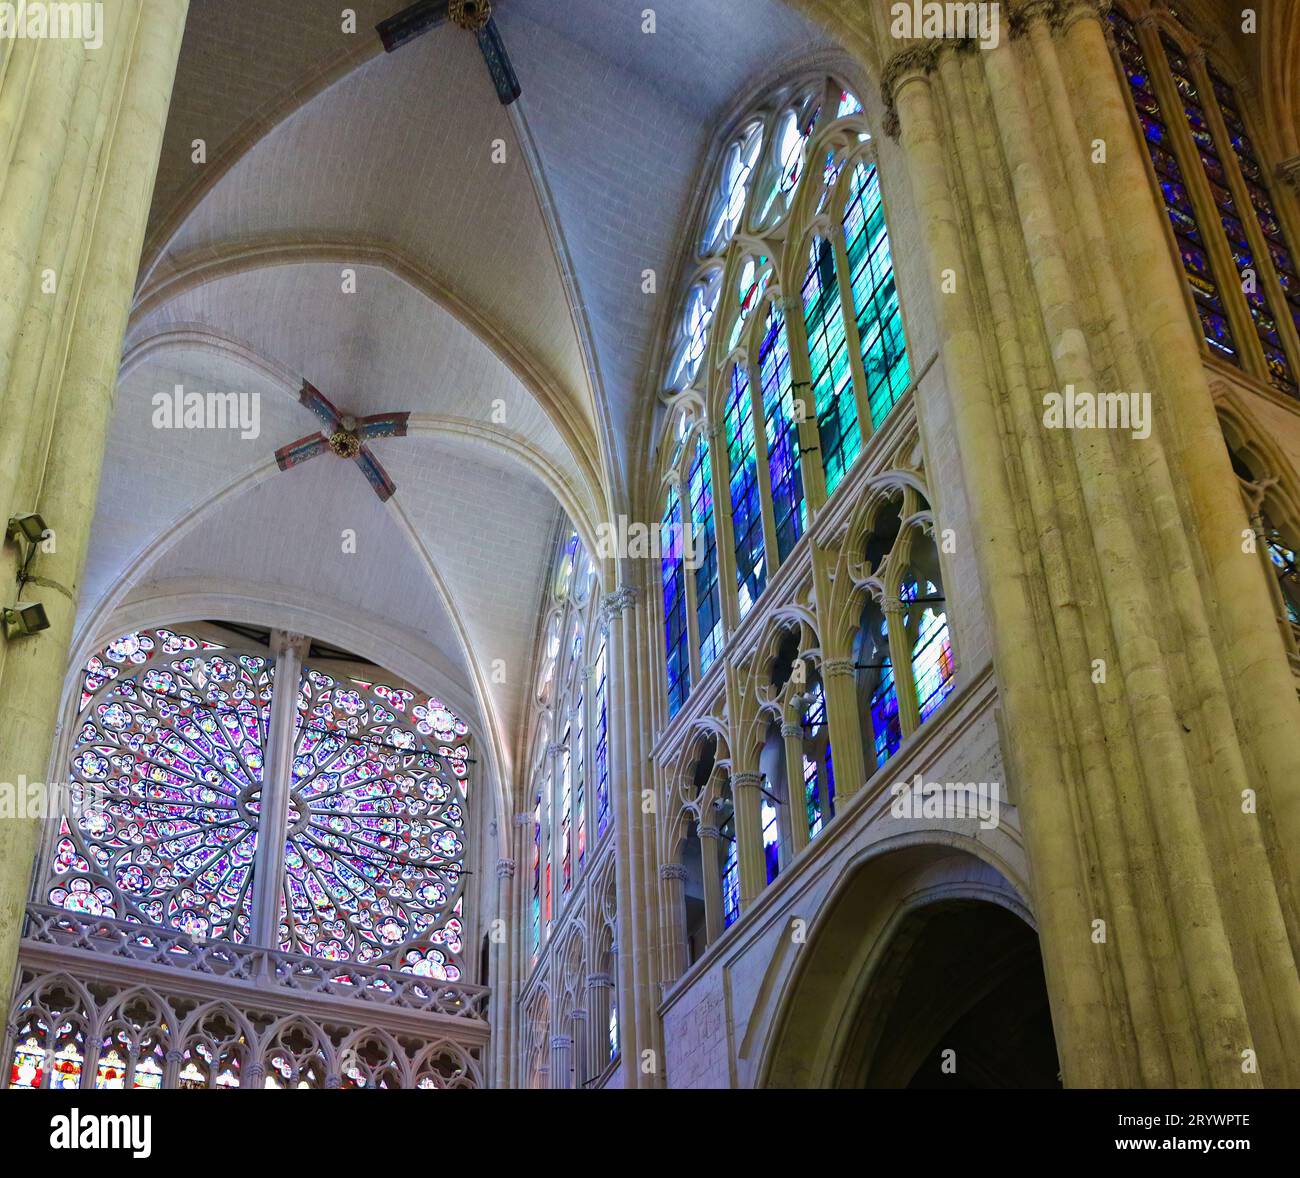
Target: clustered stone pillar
column 1159, row 801
column 501, row 939
column 80, row 136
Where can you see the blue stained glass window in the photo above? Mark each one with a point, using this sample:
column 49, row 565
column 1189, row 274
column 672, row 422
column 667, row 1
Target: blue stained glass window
column 704, row 550
column 832, row 375
column 1284, row 564
column 1261, row 200
column 782, row 433
column 1178, row 205
column 875, row 295
column 730, row 870
column 1261, row 314
column 746, row 508
column 602, row 746
column 676, row 632
column 886, row 727
column 579, row 780
column 849, row 105
column 536, row 904
column 932, row 662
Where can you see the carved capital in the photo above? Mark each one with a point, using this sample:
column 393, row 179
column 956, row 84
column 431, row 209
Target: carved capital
column 561, row 1042
column 792, row 731
column 746, row 780
column 624, row 597
column 599, row 981
column 283, row 642
column 835, row 667
column 333, row 1082
column 672, row 871
column 505, row 869
column 708, row 832
column 554, row 749
column 913, row 62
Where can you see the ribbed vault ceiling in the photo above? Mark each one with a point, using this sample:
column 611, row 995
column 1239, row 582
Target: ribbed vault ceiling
column 499, row 302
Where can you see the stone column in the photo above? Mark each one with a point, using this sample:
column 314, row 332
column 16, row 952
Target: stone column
column 711, row 863
column 122, row 166
column 561, row 1061
column 599, row 992
column 747, row 801
column 852, row 762
column 672, row 881
column 581, row 1051
column 796, row 802
column 503, row 976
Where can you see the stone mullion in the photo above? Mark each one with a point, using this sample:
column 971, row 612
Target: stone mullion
column 90, row 350
column 772, row 555
column 852, row 337
column 1207, row 212
column 1083, row 1025
column 1199, row 921
column 813, row 474
column 277, row 776
column 796, row 804
column 711, row 872
column 1059, row 533
column 724, row 527
column 1262, row 715
column 1265, row 274
column 848, row 757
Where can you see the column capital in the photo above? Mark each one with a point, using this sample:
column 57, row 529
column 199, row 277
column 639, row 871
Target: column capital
column 505, row 869
column 911, row 63
column 672, row 871
column 708, row 832
column 599, row 981
column 524, row 819
column 333, row 1082
column 555, row 748
column 834, row 667
column 791, row 731
column 589, row 673
column 624, row 597
column 175, row 1056
column 748, row 779
column 560, row 1042
column 284, row 642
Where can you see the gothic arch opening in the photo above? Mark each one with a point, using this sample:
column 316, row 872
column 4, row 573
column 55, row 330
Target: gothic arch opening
column 922, row 971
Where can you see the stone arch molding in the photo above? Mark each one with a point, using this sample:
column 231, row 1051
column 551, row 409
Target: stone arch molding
column 804, row 1025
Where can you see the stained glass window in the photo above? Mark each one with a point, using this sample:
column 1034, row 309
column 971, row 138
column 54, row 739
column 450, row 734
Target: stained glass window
column 579, row 781
column 783, row 455
column 704, row 550
column 793, row 130
column 1283, row 559
column 832, row 376
column 697, row 317
column 849, row 105
column 746, row 508
column 1257, row 188
column 932, row 662
column 676, row 631
column 733, row 190
column 537, row 874
column 875, row 295
column 771, row 839
column 730, row 871
column 173, row 741
column 818, row 769
column 166, row 772
column 602, row 747
column 1243, row 256
column 754, row 276
column 1178, row 202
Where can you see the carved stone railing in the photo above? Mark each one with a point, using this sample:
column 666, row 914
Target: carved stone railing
column 251, row 966
column 288, row 1020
